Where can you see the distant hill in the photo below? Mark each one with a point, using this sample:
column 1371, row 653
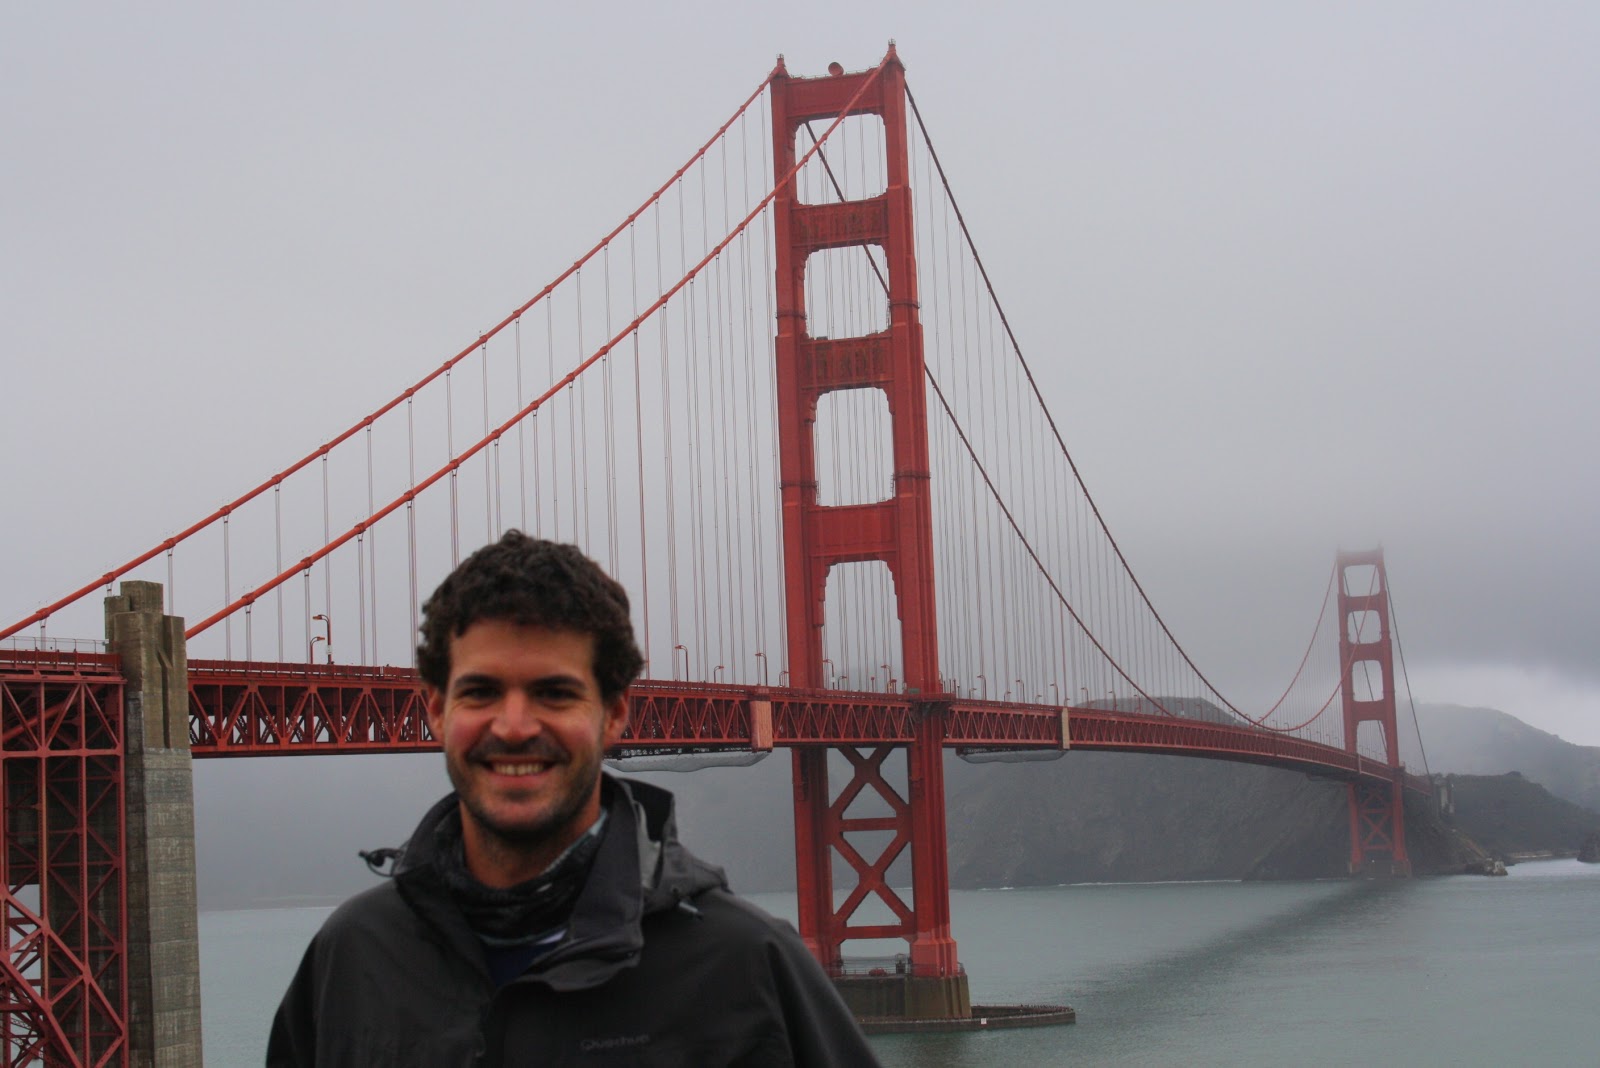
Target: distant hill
column 1509, row 814
column 1483, row 741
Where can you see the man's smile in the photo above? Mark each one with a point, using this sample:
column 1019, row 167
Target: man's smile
column 523, row 768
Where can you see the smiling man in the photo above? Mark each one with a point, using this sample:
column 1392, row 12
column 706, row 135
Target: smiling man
column 544, row 912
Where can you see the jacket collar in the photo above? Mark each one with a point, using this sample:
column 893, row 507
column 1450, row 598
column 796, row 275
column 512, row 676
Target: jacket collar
column 640, row 869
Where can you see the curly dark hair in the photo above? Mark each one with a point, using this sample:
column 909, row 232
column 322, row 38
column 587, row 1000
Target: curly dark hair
column 532, row 582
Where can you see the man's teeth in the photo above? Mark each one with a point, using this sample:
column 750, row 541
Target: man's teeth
column 530, row 768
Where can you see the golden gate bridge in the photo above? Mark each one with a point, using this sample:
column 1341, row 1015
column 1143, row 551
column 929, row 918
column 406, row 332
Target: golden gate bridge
column 781, row 402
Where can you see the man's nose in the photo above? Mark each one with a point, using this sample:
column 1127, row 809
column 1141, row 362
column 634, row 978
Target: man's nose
column 518, row 719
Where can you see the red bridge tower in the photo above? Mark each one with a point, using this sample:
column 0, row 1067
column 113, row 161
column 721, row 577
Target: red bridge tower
column 897, row 531
column 1377, row 811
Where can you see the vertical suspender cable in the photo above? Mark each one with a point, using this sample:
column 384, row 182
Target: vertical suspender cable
column 490, row 496
column 751, row 451
column 411, row 528
column 555, row 451
column 580, row 450
column 450, row 450
column 306, row 574
column 227, row 591
column 770, row 359
column 277, row 557
column 361, row 594
column 638, row 437
column 327, row 537
column 609, row 429
column 522, row 436
column 692, row 441
column 372, row 550
column 671, row 465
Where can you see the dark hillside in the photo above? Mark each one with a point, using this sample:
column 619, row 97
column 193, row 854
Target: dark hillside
column 1508, row 814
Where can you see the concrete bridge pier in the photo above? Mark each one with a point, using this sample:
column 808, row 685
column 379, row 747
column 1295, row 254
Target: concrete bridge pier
column 163, row 921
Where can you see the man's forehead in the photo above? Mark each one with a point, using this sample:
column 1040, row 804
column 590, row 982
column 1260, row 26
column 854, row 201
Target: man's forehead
column 498, row 639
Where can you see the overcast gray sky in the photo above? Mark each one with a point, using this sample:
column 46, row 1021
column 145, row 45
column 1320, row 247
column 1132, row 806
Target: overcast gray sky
column 1294, row 276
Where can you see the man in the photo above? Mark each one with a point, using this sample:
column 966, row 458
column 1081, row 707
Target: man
column 544, row 913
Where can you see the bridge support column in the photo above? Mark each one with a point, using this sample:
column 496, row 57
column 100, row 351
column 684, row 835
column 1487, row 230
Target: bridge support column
column 1366, row 658
column 163, row 932
column 926, row 983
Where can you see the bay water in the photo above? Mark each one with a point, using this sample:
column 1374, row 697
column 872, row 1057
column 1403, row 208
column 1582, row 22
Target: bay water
column 1464, row 970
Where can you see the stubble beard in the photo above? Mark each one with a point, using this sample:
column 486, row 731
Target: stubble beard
column 579, row 778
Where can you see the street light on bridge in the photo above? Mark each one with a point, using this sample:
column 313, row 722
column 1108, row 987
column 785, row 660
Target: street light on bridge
column 326, row 637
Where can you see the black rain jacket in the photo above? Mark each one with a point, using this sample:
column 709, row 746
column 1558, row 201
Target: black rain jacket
column 661, row 969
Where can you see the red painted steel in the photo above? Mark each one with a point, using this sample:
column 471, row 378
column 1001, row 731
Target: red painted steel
column 897, row 532
column 264, row 709
column 284, row 709
column 63, row 943
column 1377, row 813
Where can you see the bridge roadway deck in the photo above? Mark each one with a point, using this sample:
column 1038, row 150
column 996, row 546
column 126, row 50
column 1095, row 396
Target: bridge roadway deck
column 267, row 709
column 275, row 709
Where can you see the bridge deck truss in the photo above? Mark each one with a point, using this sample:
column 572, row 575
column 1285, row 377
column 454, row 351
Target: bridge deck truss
column 285, row 709
column 63, row 953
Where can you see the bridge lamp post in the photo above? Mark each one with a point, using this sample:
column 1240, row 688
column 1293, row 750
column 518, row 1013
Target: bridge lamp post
column 763, row 658
column 842, row 680
column 685, row 649
column 716, row 674
column 1056, row 692
column 829, row 664
column 783, row 677
column 985, row 686
column 888, row 684
column 327, row 636
column 1022, row 691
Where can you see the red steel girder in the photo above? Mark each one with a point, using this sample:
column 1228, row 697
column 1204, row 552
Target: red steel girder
column 63, row 943
column 240, row 709
column 282, row 709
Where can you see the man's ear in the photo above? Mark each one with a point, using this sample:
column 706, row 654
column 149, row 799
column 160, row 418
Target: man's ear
column 616, row 720
column 435, row 710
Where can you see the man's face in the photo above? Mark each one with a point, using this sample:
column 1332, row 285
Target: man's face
column 523, row 728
